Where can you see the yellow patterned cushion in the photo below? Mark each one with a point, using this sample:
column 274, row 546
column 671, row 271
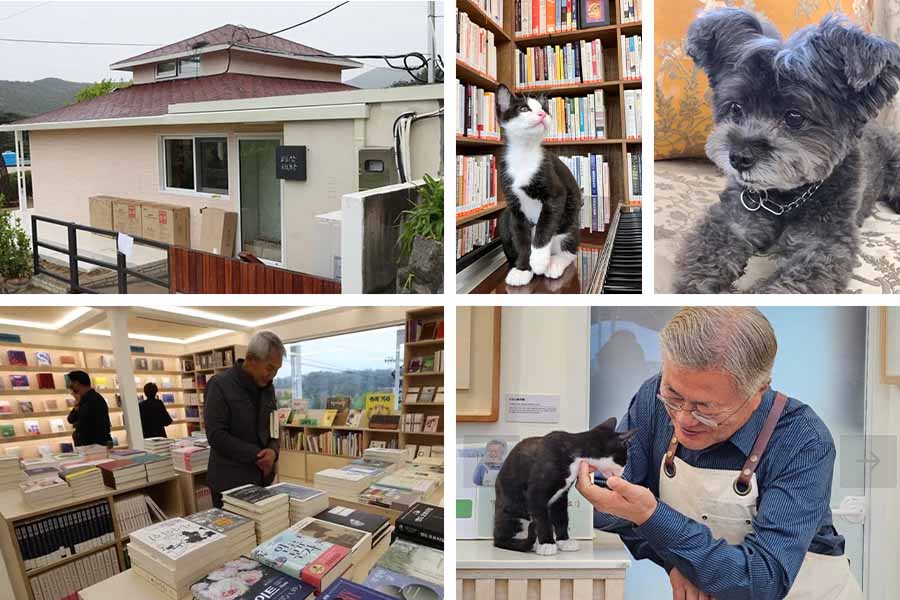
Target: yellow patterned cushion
column 683, row 114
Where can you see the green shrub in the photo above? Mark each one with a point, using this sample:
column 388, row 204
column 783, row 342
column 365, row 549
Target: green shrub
column 425, row 219
column 15, row 247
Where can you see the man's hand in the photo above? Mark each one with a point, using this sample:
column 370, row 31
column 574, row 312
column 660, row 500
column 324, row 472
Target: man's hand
column 682, row 589
column 265, row 460
column 626, row 500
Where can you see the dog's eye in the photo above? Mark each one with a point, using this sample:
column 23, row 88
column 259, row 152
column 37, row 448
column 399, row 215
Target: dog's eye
column 524, row 108
column 736, row 111
column 793, row 119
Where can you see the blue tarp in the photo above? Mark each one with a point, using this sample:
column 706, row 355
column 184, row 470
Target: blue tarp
column 9, row 158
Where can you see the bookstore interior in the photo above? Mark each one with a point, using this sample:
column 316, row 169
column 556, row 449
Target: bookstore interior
column 584, row 59
column 354, row 501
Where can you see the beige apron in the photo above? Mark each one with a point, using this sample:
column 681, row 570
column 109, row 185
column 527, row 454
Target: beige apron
column 712, row 497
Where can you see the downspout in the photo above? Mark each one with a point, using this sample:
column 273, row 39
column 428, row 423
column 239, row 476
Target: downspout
column 20, row 171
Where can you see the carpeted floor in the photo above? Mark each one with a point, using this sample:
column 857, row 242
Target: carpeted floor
column 685, row 188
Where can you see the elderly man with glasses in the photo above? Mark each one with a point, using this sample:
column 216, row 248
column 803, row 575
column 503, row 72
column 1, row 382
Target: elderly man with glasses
column 728, row 482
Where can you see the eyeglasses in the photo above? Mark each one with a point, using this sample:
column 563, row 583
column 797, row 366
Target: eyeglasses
column 711, row 421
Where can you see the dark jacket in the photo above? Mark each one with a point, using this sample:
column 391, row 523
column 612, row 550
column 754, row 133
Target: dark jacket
column 154, row 417
column 91, row 420
column 237, row 412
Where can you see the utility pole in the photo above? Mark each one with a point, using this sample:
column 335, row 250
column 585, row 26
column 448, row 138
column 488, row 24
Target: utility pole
column 431, row 52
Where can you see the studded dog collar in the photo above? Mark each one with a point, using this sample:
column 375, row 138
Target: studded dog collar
column 754, row 199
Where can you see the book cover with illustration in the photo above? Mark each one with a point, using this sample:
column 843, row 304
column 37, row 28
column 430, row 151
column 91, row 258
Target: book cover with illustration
column 414, row 560
column 344, row 589
column 218, row 520
column 16, row 358
column 18, row 381
column 43, row 359
column 7, row 430
column 296, row 492
column 5, row 407
column 356, row 519
column 398, row 585
column 45, row 381
column 291, row 552
column 175, row 538
column 252, row 496
column 247, row 578
column 331, row 533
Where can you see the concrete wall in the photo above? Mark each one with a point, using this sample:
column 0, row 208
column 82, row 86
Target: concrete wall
column 250, row 63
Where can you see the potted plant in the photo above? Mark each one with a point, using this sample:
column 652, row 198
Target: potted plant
column 422, row 242
column 16, row 266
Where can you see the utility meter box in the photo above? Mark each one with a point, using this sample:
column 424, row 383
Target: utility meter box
column 377, row 168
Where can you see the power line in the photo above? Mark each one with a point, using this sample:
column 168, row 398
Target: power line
column 318, row 16
column 70, row 43
column 25, row 10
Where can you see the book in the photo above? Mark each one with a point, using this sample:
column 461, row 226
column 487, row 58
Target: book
column 328, row 417
column 43, row 359
column 427, row 394
column 386, row 581
column 387, row 497
column 431, row 423
column 157, row 364
column 415, row 365
column 175, row 539
column 247, row 579
column 45, row 381
column 351, row 538
column 32, row 427
column 344, row 589
column 5, row 407
column 304, row 501
column 57, row 426
column 376, row 525
column 26, row 406
column 51, row 404
column 254, row 498
column 422, row 524
column 67, row 359
column 140, row 364
column 18, row 381
column 50, row 538
column 414, row 560
column 7, row 430
column 313, row 561
column 16, row 358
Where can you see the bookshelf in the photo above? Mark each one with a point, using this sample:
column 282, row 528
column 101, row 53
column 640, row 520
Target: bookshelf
column 303, row 464
column 615, row 147
column 195, row 371
column 51, row 404
column 418, row 349
column 14, row 511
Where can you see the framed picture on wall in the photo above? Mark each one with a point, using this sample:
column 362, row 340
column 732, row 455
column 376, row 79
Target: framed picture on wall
column 478, row 348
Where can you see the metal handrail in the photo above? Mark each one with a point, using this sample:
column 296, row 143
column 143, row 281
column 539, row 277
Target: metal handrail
column 71, row 250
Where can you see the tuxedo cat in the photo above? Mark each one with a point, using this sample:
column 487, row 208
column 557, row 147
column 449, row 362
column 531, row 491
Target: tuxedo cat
column 540, row 225
column 532, row 486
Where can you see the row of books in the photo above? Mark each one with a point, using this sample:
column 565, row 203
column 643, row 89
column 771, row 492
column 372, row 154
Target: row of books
column 630, row 11
column 540, row 17
column 475, row 45
column 573, row 63
column 64, row 582
column 424, row 393
column 476, row 183
column 475, row 235
column 217, row 359
column 19, row 358
column 636, row 171
column 429, row 363
column 578, row 118
column 589, row 265
column 133, row 512
column 27, row 407
column 591, row 171
column 345, row 443
column 632, row 51
column 45, row 381
column 50, row 539
column 476, row 112
column 633, row 121
column 33, row 427
column 493, row 8
column 421, row 330
column 421, row 423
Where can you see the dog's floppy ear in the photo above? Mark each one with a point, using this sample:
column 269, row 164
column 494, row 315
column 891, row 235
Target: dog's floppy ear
column 870, row 64
column 715, row 38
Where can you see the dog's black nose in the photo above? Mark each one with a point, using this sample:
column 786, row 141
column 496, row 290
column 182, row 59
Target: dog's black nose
column 742, row 160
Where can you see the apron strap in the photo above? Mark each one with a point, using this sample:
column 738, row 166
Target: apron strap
column 742, row 483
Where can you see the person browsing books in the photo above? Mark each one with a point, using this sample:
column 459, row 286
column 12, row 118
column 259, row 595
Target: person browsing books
column 154, row 416
column 90, row 415
column 237, row 407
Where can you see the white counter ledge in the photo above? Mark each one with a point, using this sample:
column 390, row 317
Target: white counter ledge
column 595, row 571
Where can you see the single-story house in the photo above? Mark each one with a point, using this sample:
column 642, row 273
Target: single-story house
column 199, row 127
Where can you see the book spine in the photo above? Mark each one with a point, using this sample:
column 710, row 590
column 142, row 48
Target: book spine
column 420, row 535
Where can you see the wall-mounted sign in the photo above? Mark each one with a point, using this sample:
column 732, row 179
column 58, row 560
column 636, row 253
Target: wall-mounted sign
column 290, row 162
column 532, row 408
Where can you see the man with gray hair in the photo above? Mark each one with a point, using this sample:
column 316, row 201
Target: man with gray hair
column 728, row 482
column 237, row 407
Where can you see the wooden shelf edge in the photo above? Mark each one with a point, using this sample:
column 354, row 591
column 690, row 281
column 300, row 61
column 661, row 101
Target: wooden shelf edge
column 470, row 218
column 68, row 559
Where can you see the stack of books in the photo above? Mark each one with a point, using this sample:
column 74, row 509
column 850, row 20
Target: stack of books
column 45, row 490
column 83, row 478
column 383, row 466
column 422, row 524
column 391, row 455
column 388, row 497
column 159, row 445
column 313, row 551
column 33, row 469
column 343, row 482
column 93, row 452
column 375, row 525
column 126, row 453
column 122, row 472
column 174, row 554
column 248, row 579
column 132, row 513
column 408, row 565
column 157, row 467
column 191, row 459
column 304, row 501
column 240, row 531
column 10, row 471
column 418, row 478
column 267, row 508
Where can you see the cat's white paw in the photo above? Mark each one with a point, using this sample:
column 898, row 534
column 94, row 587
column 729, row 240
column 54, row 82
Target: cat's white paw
column 518, row 277
column 540, row 259
column 558, row 264
column 567, row 545
column 545, row 549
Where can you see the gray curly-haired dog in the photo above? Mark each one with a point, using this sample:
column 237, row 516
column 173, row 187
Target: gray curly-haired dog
column 793, row 132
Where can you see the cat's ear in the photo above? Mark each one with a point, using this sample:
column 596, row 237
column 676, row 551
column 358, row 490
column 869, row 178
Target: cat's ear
column 610, row 423
column 545, row 104
column 626, row 436
column 504, row 99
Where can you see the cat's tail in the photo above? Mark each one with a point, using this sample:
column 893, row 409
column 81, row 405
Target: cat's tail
column 520, row 539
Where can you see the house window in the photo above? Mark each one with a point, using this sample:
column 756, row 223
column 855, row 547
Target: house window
column 166, row 69
column 196, row 164
column 189, row 67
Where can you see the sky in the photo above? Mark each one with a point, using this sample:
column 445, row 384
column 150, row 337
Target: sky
column 361, row 350
column 361, row 27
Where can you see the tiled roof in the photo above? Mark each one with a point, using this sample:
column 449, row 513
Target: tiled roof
column 152, row 99
column 230, row 34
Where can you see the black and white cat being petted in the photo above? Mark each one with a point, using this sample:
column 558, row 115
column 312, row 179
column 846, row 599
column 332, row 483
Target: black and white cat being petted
column 531, row 510
column 540, row 225
column 794, row 132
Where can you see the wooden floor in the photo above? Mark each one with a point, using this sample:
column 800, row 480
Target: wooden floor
column 495, row 283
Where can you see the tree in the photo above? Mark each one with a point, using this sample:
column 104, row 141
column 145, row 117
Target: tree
column 101, row 88
column 422, row 74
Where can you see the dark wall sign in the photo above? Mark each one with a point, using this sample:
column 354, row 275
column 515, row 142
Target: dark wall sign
column 290, row 162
